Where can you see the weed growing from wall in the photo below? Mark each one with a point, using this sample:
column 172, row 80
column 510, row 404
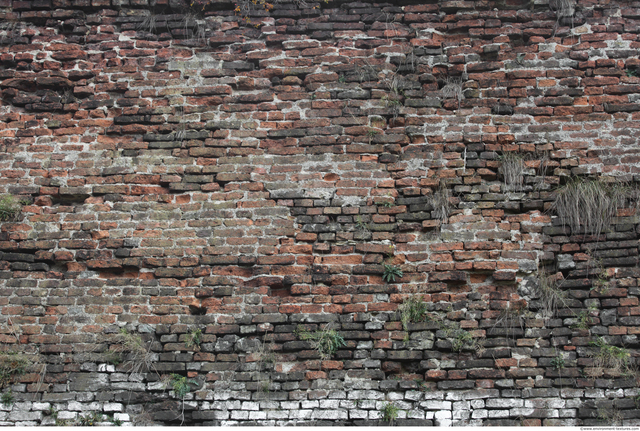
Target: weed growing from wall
column 413, row 310
column 551, row 296
column 613, row 358
column 12, row 365
column 512, row 170
column 452, row 88
column 137, row 353
column 389, row 412
column 589, row 203
column 326, row 341
column 391, row 272
column 9, row 208
column 440, row 200
column 193, row 339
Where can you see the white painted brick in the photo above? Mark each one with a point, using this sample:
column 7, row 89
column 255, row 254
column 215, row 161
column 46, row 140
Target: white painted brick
column 249, row 405
column 330, row 414
column 443, row 414
column 310, row 404
column 434, row 395
column 415, row 414
column 67, row 415
column 239, row 414
column 277, row 414
column 567, row 413
column 253, row 415
column 124, row 417
column 436, row 405
column 477, row 404
column 221, row 415
column 461, row 405
column 461, row 414
column 395, row 396
column 300, row 414
column 358, row 414
column 329, row 404
column 497, row 414
column 504, row 403
column 40, row 406
column 479, row 414
column 113, row 407
column 522, row 411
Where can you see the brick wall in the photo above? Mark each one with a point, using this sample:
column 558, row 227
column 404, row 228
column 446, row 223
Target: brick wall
column 202, row 191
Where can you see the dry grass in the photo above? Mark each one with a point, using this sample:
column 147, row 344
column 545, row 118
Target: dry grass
column 452, row 89
column 441, row 203
column 551, row 296
column 616, row 360
column 589, row 203
column 512, row 170
column 136, row 352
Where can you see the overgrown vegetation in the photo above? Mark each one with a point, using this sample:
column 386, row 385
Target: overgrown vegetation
column 11, row 365
column 326, row 341
column 589, row 203
column 607, row 357
column 10, row 207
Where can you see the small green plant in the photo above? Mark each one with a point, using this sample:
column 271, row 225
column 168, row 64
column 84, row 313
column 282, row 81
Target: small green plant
column 606, row 356
column 11, row 365
column 601, row 284
column 389, row 412
column 326, row 341
column 413, row 310
column 7, row 398
column 371, row 133
column 558, row 362
column 361, row 225
column 342, row 79
column 391, row 272
column 90, row 419
column 583, row 320
column 10, row 207
column 461, row 338
column 181, row 385
column 194, row 339
column 632, row 73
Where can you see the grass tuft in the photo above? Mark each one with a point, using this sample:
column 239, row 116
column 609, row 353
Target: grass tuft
column 589, row 203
